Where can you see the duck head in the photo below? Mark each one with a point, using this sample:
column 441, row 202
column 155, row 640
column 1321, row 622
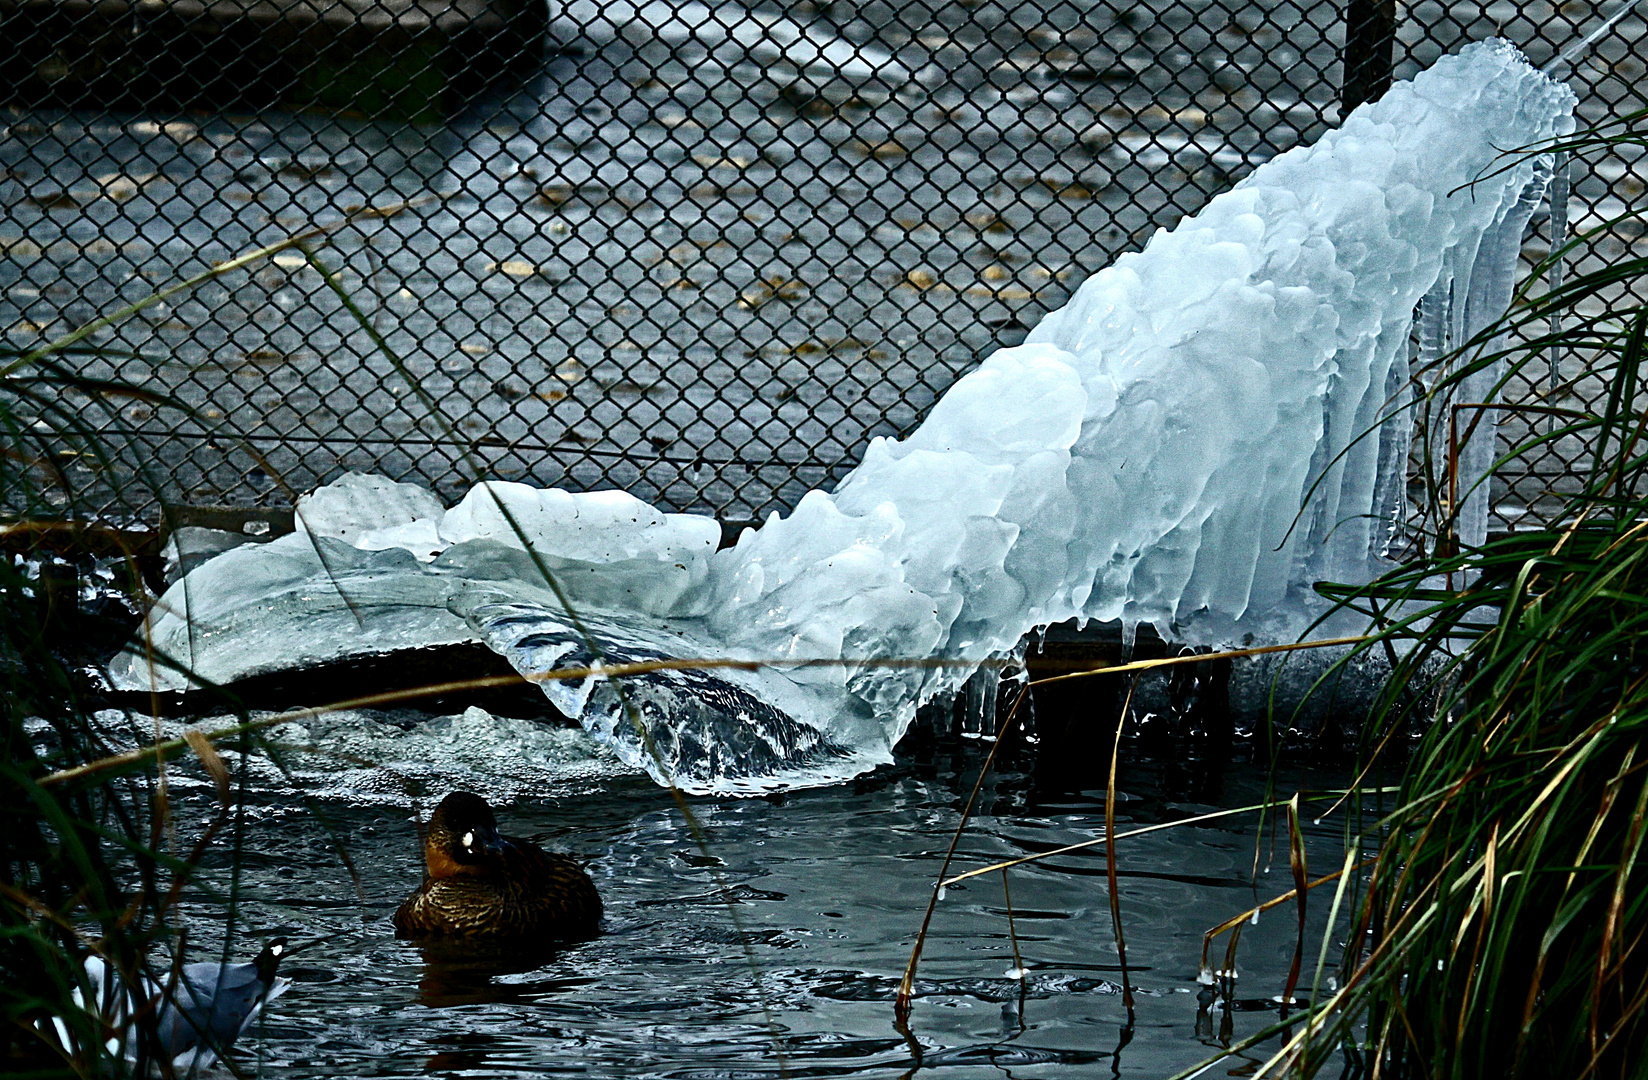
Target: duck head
column 462, row 838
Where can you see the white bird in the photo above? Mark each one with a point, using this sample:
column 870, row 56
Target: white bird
column 196, row 1018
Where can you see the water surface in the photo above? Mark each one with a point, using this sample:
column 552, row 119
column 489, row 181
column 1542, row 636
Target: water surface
column 787, row 927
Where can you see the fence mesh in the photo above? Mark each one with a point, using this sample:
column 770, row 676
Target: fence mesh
column 701, row 253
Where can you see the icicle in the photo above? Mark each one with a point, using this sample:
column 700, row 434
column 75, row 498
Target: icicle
column 1435, row 323
column 1492, row 279
column 939, row 713
column 1559, row 236
column 1433, row 317
column 1015, row 675
column 978, row 717
column 1390, row 500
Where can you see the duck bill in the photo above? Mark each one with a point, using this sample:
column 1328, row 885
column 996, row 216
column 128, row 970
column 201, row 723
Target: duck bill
column 489, row 842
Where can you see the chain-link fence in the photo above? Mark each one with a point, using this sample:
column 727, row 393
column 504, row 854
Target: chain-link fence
column 699, row 252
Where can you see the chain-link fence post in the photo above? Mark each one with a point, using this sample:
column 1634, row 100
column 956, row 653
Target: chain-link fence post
column 1370, row 45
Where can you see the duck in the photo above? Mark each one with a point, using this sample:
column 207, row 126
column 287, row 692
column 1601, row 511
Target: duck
column 482, row 886
column 196, row 1018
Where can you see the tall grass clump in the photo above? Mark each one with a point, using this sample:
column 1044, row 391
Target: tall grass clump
column 1502, row 928
column 91, row 865
column 77, row 863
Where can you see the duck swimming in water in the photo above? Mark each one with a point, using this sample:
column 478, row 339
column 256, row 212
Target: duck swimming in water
column 481, row 885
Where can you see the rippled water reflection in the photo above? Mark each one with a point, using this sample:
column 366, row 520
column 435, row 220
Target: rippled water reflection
column 787, row 928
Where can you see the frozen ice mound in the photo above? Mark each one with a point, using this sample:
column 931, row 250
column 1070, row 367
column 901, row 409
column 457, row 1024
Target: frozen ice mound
column 373, row 566
column 1192, row 442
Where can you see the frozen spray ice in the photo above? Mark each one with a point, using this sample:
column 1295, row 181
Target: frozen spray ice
column 1191, row 442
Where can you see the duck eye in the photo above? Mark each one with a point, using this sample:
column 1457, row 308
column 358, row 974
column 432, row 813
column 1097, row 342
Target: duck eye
column 468, row 840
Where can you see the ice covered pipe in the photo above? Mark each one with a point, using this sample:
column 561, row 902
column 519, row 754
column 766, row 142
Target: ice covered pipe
column 1185, row 443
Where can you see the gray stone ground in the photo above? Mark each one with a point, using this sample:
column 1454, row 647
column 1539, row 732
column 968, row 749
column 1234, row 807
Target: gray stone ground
column 705, row 277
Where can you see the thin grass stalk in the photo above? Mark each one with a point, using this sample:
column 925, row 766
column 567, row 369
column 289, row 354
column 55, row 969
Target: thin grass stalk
column 1145, row 830
column 188, row 284
column 1110, row 849
column 1012, row 932
column 174, row 746
column 1301, row 890
column 1246, row 917
column 906, row 985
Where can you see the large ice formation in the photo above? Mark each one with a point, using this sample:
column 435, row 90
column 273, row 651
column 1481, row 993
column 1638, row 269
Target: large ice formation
column 1186, row 443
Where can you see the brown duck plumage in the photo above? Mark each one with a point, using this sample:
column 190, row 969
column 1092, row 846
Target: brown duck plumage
column 479, row 884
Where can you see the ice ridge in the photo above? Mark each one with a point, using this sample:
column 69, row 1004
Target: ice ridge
column 1192, row 442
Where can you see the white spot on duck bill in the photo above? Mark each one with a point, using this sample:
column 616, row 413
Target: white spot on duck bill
column 468, row 840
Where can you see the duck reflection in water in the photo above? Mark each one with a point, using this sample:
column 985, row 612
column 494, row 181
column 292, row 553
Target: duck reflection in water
column 475, row 973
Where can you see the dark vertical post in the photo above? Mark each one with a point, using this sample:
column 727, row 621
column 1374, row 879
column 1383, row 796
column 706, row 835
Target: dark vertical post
column 59, row 595
column 1370, row 40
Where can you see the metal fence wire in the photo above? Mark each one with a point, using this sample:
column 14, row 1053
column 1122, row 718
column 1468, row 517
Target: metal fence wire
column 700, row 252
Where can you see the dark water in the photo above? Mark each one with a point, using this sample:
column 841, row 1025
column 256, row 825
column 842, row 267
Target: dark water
column 776, row 945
